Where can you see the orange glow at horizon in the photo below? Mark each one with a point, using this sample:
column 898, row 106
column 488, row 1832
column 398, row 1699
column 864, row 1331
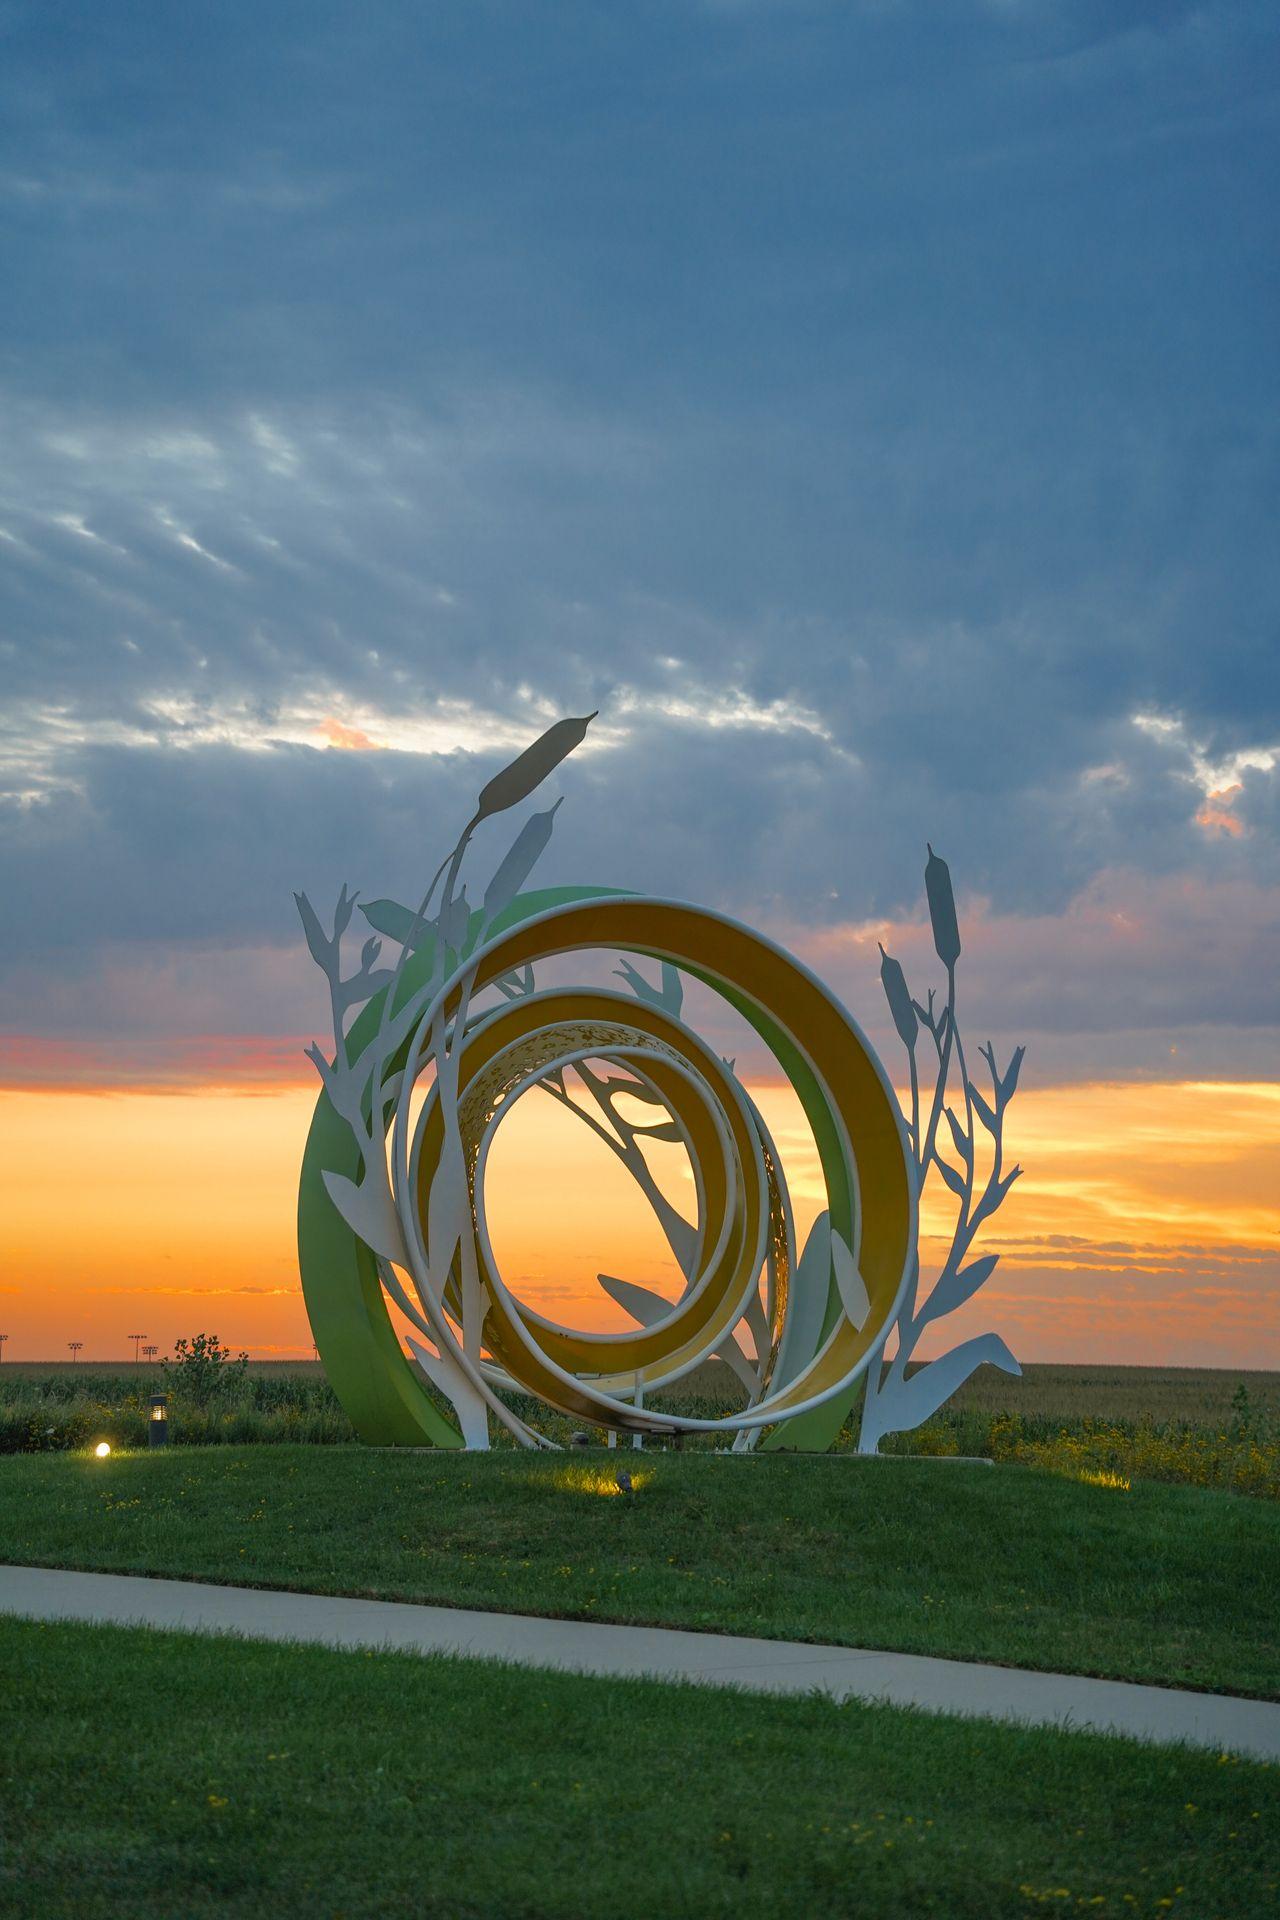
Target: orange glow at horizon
column 1146, row 1230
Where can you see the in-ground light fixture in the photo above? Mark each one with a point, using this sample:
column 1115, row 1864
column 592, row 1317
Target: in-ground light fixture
column 103, row 1449
column 158, row 1424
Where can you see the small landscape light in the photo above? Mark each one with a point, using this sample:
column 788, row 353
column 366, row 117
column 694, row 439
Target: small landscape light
column 102, row 1449
column 623, row 1480
column 158, row 1424
column 579, row 1439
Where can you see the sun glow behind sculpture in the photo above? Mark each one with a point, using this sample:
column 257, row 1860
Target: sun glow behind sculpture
column 446, row 1043
column 1158, row 1198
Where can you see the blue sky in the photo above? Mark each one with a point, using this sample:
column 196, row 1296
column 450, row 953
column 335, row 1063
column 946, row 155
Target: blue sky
column 872, row 409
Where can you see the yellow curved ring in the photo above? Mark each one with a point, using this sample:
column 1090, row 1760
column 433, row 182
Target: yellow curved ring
column 511, row 1050
column 861, row 1139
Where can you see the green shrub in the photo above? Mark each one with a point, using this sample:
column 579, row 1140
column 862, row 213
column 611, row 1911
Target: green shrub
column 203, row 1370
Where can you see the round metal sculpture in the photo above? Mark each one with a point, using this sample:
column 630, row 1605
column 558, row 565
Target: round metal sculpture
column 392, row 1200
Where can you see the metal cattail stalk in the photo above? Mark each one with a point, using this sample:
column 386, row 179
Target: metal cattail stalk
column 942, row 910
column 896, row 992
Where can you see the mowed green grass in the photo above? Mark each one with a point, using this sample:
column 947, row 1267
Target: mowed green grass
column 1167, row 1584
column 161, row 1774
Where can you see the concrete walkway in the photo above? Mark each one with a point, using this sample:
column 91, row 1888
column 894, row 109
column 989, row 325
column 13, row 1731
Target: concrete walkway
column 1220, row 1722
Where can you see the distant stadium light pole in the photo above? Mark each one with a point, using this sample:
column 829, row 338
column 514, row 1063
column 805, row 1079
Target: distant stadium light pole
column 3, row 1338
column 137, row 1339
column 75, row 1346
column 151, row 1352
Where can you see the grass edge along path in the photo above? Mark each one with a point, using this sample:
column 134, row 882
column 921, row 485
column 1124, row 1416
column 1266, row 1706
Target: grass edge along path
column 1222, row 1723
column 152, row 1773
column 1169, row 1586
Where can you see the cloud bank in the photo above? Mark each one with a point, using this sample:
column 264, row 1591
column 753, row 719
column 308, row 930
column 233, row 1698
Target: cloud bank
column 875, row 418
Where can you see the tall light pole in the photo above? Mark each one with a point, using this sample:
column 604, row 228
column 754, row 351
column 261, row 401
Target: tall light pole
column 151, row 1352
column 3, row 1338
column 137, row 1339
column 75, row 1346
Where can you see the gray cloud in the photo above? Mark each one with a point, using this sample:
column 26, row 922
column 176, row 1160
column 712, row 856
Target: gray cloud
column 872, row 417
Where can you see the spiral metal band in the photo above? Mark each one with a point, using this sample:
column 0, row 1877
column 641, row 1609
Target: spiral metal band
column 813, row 1336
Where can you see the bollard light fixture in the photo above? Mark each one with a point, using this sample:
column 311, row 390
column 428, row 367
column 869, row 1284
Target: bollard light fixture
column 158, row 1424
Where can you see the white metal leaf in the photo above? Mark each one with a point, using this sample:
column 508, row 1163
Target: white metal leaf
column 645, row 1307
column 963, row 1144
column 909, row 1403
column 519, row 862
column 397, row 922
column 369, row 1211
column 953, row 1289
column 318, row 941
column 807, row 1306
column 455, row 921
column 853, row 1291
column 343, row 911
column 735, row 1357
column 1009, row 1083
column 956, row 1181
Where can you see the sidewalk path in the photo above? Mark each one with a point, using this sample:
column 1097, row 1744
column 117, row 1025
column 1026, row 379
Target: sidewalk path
column 1217, row 1721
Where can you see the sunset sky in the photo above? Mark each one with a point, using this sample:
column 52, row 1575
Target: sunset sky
column 871, row 409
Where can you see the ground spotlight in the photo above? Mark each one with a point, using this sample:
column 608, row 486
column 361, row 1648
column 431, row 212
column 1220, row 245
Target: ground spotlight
column 623, row 1480
column 102, row 1449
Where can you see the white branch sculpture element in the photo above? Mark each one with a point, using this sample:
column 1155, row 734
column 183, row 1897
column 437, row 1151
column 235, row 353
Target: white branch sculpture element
column 896, row 1401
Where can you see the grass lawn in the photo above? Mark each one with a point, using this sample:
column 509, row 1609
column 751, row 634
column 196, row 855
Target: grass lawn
column 1167, row 1584
column 159, row 1774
